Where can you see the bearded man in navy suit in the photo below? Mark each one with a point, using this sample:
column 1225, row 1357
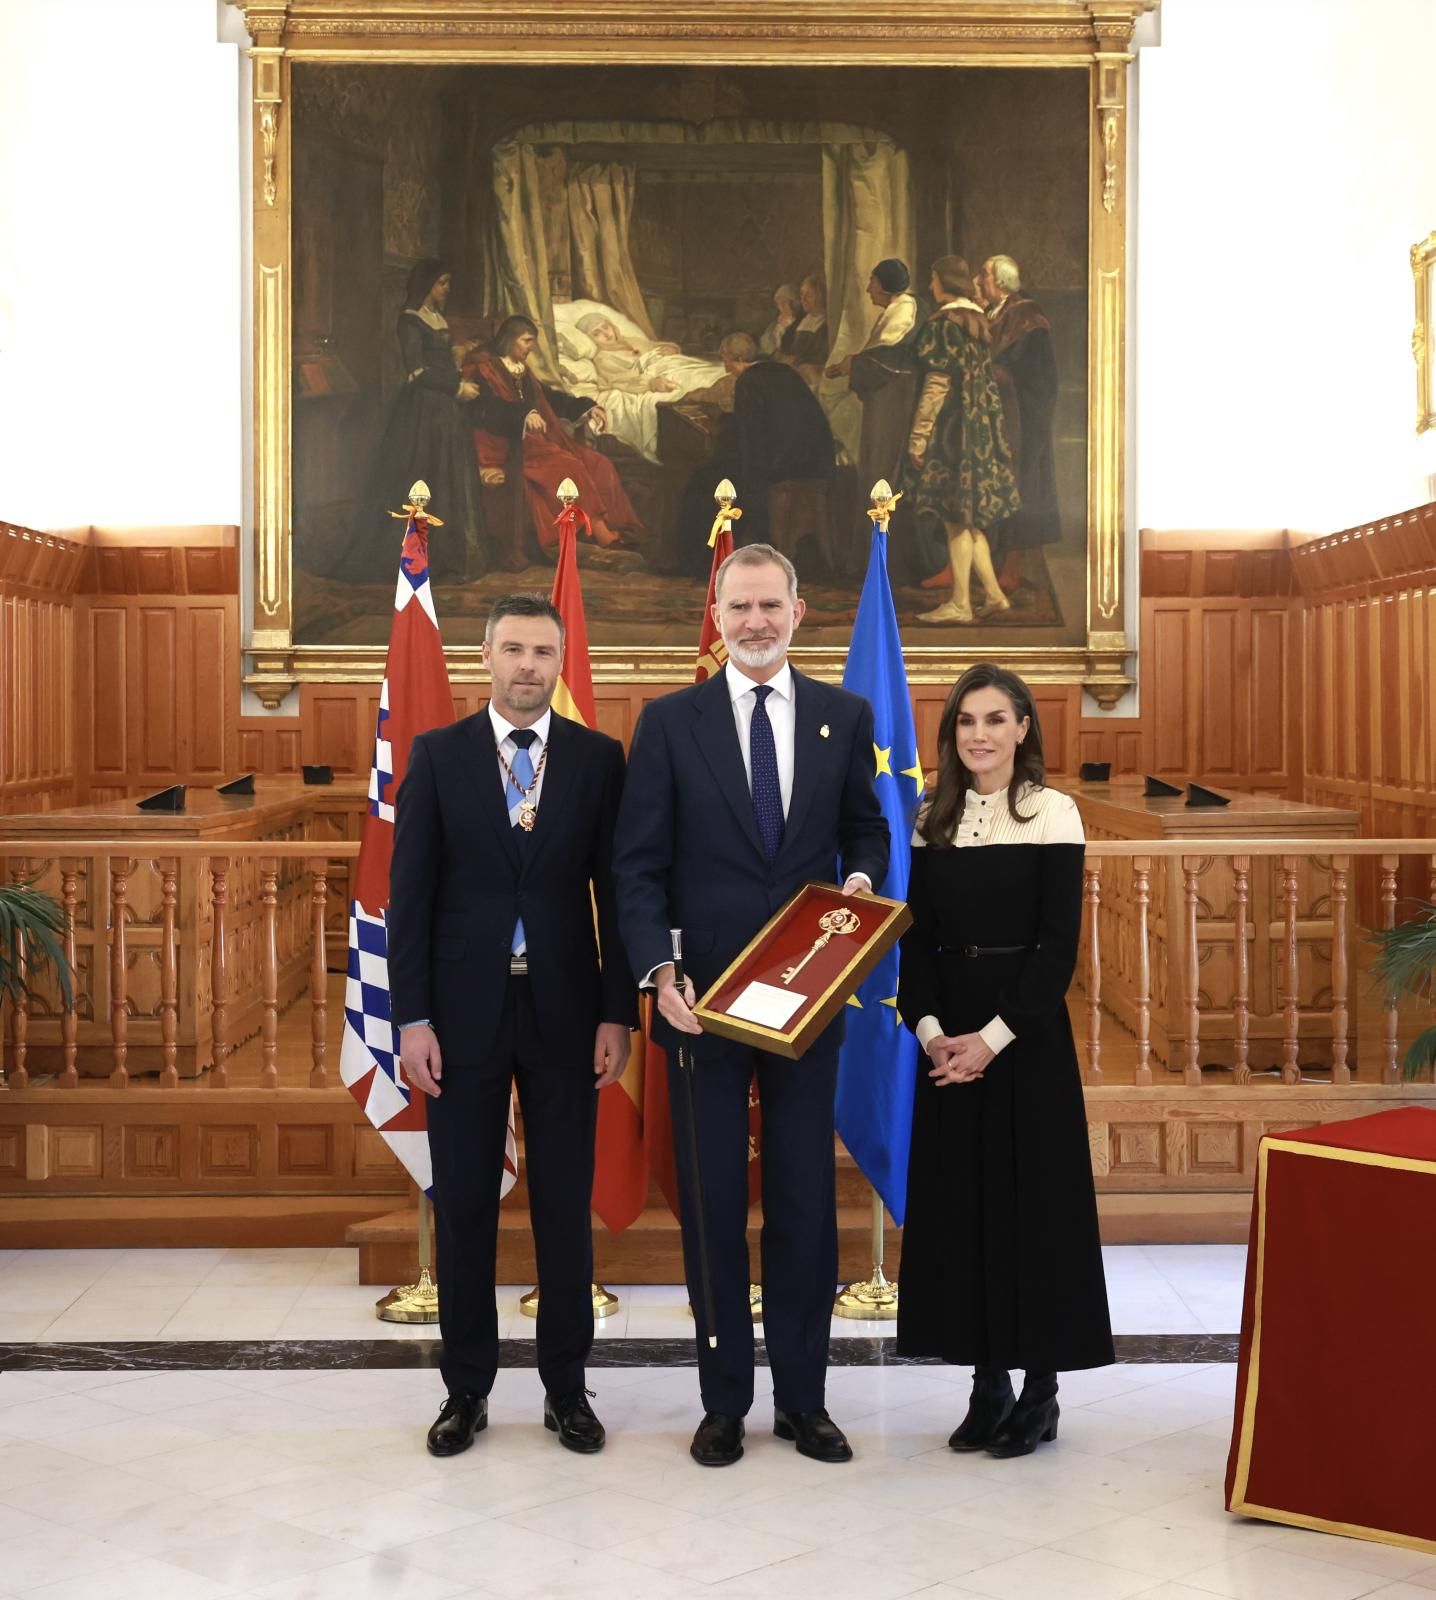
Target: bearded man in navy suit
column 739, row 790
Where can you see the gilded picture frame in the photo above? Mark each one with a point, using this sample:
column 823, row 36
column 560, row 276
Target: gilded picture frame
column 1093, row 35
column 1423, row 333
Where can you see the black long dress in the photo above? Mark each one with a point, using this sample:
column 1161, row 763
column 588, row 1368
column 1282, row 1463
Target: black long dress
column 1001, row 1258
column 428, row 434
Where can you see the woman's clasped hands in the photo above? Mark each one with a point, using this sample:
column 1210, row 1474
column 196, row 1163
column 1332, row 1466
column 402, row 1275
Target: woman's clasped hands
column 958, row 1058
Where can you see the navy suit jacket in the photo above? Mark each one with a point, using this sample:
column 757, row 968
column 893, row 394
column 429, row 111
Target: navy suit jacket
column 461, row 876
column 687, row 852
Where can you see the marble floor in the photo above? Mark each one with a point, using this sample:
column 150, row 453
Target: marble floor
column 185, row 1476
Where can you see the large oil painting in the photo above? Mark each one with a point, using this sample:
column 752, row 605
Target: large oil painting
column 647, row 279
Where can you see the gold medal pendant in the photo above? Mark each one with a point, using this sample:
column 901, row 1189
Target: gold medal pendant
column 528, row 815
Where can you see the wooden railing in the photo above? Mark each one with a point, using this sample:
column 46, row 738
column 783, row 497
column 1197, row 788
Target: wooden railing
column 1327, row 926
column 1155, row 974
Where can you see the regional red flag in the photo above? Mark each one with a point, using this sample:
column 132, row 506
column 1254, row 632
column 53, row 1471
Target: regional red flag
column 657, row 1123
column 414, row 697
column 620, row 1169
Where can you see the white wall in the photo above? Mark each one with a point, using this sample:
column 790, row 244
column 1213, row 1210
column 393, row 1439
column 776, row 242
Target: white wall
column 1285, row 151
column 1282, row 179
column 120, row 352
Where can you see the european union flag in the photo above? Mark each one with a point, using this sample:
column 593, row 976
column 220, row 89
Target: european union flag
column 877, row 1069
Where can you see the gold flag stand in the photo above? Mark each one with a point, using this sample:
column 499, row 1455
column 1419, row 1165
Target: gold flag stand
column 414, row 1302
column 873, row 1299
column 605, row 1302
column 755, row 1302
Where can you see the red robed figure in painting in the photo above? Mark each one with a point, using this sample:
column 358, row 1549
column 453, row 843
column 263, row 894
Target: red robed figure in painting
column 521, row 419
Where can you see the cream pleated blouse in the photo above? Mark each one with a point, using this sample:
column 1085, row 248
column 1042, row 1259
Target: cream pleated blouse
column 987, row 819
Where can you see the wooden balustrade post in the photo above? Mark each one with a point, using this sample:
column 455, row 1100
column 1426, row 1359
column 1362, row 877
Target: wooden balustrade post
column 1092, row 894
column 1390, row 1073
column 1142, row 899
column 1241, row 972
column 269, row 971
column 1340, row 971
column 219, row 971
column 1291, row 1016
column 69, row 1022
column 318, row 974
column 120, row 869
column 1192, row 1075
column 18, row 1074
column 169, row 973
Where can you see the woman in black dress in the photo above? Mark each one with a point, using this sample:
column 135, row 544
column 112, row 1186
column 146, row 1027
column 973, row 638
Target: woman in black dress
column 428, row 434
column 1001, row 1260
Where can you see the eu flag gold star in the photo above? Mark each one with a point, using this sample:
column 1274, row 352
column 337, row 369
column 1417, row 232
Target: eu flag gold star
column 883, row 759
column 918, row 776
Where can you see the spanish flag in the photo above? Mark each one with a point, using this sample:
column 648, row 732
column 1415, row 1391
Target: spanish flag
column 620, row 1173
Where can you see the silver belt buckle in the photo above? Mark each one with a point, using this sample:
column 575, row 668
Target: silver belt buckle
column 518, row 966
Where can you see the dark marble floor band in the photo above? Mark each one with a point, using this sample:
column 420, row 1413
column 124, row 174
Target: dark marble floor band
column 159, row 1355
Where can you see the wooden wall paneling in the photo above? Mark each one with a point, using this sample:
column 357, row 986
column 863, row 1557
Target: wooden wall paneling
column 211, row 651
column 102, row 688
column 162, row 693
column 1222, row 667
column 1167, row 689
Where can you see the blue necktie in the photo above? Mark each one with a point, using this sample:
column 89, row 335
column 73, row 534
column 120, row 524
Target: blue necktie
column 767, row 791
column 522, row 768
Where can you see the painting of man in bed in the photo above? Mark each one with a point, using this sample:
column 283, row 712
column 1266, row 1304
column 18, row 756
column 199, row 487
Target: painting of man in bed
column 595, row 267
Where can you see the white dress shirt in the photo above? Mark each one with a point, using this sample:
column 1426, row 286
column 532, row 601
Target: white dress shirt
column 781, row 714
column 503, row 738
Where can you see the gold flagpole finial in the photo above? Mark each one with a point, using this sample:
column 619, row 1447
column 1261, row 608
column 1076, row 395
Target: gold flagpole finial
column 727, row 514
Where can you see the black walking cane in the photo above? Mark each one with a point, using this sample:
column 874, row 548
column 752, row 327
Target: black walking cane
column 685, row 1071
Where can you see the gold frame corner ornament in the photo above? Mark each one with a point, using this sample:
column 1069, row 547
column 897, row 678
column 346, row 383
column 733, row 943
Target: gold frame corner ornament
column 1092, row 34
column 1423, row 333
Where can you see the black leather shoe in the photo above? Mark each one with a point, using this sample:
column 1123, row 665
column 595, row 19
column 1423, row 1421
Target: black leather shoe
column 571, row 1417
column 460, row 1417
column 815, row 1433
column 718, row 1441
column 992, row 1400
column 1032, row 1421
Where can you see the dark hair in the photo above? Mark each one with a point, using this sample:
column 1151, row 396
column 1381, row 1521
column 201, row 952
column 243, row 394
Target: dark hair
column 954, row 274
column 524, row 604
column 423, row 275
column 937, row 822
column 509, row 330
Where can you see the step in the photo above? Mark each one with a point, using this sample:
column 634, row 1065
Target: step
column 649, row 1251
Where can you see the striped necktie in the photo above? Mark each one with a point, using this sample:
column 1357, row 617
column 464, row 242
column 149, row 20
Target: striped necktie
column 522, row 768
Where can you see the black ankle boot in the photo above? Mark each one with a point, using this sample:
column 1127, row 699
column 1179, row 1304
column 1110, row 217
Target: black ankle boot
column 1032, row 1421
column 992, row 1400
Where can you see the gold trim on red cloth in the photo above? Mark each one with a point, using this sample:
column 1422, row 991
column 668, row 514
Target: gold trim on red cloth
column 1239, row 1502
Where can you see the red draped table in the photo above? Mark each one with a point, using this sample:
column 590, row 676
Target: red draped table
column 1335, row 1424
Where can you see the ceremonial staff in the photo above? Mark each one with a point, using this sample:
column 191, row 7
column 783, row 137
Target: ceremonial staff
column 685, row 1071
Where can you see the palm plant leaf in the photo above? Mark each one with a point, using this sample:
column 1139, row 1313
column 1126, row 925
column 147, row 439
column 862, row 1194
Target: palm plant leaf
column 1405, row 963
column 31, row 915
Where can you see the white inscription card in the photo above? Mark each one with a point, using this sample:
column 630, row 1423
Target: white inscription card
column 766, row 1005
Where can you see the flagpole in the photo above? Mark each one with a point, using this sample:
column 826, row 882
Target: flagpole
column 873, row 1299
column 414, row 1302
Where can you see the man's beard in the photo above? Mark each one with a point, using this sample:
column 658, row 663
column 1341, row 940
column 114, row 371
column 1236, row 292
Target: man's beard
column 758, row 655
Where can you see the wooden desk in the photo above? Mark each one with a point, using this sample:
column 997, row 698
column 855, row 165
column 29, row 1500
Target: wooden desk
column 280, row 809
column 1119, row 810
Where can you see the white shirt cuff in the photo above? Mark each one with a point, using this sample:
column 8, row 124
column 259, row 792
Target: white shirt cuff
column 648, row 981
column 863, row 875
column 418, row 1022
column 996, row 1035
column 927, row 1030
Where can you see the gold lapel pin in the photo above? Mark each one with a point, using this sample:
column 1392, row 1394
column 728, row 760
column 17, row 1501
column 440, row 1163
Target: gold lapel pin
column 823, row 731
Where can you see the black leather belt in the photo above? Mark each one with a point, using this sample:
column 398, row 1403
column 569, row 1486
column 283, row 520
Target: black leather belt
column 992, row 949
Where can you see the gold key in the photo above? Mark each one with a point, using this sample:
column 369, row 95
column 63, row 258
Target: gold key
column 839, row 921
